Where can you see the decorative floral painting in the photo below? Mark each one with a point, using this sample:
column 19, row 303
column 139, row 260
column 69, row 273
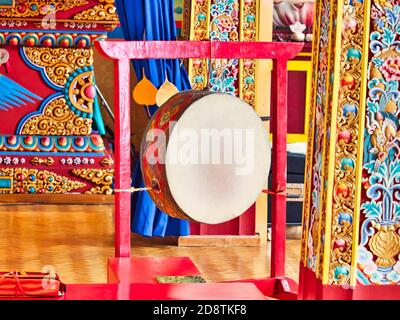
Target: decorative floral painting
column 379, row 247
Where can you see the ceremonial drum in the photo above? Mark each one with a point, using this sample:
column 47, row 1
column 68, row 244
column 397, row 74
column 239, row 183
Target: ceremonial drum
column 206, row 157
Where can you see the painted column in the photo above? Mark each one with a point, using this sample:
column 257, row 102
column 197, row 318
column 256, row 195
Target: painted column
column 220, row 20
column 351, row 218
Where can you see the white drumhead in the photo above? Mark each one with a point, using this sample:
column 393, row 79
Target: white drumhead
column 217, row 159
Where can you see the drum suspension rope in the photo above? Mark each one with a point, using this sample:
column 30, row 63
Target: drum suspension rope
column 279, row 192
column 132, row 190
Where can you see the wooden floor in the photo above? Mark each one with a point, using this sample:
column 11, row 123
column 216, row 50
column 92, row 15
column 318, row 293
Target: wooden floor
column 77, row 240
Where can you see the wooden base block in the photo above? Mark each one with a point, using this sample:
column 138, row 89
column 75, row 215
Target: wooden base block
column 219, row 241
column 293, row 232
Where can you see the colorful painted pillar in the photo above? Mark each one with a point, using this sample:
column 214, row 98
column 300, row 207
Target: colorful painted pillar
column 351, row 217
column 51, row 126
column 221, row 20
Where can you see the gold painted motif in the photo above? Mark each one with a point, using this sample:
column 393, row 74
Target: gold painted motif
column 103, row 177
column 107, row 162
column 200, row 19
column 249, row 20
column 57, row 119
column 310, row 143
column 77, row 92
column 59, row 63
column 198, row 68
column 348, row 118
column 340, row 126
column 105, row 12
column 317, row 185
column 41, row 7
column 385, row 244
column 187, row 8
column 100, row 190
column 39, row 182
column 247, row 66
column 36, row 161
column 326, row 177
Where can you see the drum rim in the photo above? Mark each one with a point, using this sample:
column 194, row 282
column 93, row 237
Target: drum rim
column 201, row 94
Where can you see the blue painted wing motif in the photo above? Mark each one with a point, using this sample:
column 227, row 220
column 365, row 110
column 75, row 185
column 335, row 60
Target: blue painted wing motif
column 14, row 95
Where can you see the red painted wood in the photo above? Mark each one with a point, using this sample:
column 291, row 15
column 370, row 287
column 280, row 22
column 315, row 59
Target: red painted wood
column 296, row 102
column 31, row 298
column 146, row 270
column 279, row 160
column 196, row 291
column 195, row 228
column 242, row 226
column 154, row 49
column 255, row 50
column 281, row 288
column 146, row 291
column 285, row 289
column 91, row 292
column 247, row 222
column 198, row 49
column 297, row 86
column 122, row 131
column 391, row 292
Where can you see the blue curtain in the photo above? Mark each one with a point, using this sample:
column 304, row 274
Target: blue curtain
column 152, row 20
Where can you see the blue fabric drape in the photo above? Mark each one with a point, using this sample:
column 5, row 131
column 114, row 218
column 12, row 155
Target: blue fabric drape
column 152, row 20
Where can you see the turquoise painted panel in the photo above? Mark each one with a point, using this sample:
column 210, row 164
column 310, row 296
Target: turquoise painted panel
column 7, row 3
column 5, row 183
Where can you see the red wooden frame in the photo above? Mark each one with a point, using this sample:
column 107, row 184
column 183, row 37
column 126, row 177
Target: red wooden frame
column 124, row 51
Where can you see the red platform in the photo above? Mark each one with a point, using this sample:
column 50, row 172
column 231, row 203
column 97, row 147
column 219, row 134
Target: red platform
column 147, row 291
column 281, row 288
column 146, row 270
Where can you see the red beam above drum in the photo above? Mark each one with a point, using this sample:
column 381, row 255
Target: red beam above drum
column 154, row 49
column 255, row 50
column 198, row 49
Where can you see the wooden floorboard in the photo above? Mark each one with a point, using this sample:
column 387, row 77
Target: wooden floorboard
column 77, row 240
